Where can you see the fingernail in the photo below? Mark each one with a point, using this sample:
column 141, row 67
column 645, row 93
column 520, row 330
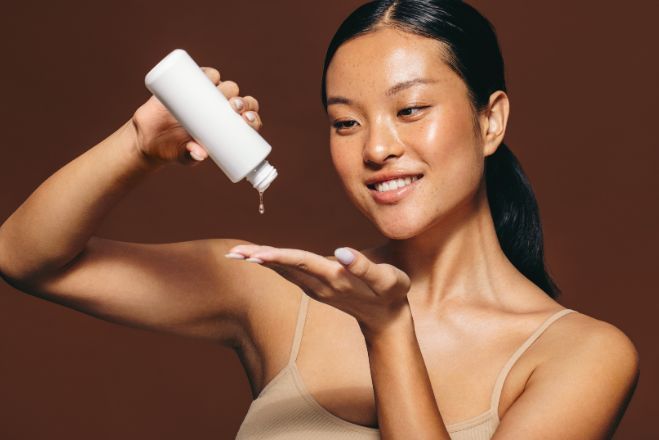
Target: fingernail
column 196, row 156
column 235, row 256
column 344, row 255
column 238, row 104
column 251, row 116
column 254, row 260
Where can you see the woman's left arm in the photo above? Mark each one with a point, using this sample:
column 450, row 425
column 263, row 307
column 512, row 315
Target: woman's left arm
column 404, row 397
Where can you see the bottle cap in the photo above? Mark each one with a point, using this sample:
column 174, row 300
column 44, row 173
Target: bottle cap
column 262, row 176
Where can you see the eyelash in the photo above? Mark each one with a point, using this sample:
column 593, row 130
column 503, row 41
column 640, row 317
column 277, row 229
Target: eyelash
column 338, row 124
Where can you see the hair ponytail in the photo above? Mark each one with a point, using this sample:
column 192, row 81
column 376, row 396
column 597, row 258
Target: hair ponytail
column 516, row 217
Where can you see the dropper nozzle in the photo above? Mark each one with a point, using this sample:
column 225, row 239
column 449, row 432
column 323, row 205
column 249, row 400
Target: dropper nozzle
column 262, row 176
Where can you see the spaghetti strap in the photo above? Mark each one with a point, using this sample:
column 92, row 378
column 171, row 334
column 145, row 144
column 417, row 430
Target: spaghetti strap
column 297, row 338
column 498, row 385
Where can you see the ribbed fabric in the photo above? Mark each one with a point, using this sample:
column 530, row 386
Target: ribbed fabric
column 285, row 409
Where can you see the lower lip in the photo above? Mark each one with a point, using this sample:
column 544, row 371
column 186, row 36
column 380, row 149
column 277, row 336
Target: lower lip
column 393, row 196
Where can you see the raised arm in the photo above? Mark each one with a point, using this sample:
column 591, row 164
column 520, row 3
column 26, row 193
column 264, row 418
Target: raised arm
column 47, row 247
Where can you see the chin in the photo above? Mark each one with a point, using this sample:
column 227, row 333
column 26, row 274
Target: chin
column 399, row 229
column 399, row 235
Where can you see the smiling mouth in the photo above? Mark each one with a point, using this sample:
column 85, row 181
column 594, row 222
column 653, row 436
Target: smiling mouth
column 394, row 184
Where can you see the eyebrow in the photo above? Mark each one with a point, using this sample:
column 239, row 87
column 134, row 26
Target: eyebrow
column 391, row 91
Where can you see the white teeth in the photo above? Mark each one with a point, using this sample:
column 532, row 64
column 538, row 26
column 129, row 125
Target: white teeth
column 394, row 184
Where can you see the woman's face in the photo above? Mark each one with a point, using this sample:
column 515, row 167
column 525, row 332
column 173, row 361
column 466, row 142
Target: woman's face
column 395, row 108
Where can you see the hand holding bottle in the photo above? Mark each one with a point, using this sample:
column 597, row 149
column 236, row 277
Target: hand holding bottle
column 162, row 139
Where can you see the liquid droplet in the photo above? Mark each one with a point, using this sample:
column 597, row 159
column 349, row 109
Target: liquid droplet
column 261, row 206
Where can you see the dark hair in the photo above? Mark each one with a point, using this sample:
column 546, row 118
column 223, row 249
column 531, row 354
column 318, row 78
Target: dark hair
column 472, row 51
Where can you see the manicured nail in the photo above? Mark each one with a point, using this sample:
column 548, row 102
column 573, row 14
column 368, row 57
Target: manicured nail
column 238, row 104
column 251, row 116
column 344, row 255
column 235, row 256
column 196, row 156
column 254, row 260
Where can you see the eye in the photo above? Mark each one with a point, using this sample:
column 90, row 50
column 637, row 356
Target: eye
column 409, row 111
column 343, row 124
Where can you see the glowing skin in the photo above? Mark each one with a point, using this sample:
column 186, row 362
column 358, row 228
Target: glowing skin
column 465, row 307
column 381, row 132
column 427, row 128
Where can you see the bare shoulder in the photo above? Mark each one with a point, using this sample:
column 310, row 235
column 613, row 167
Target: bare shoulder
column 581, row 341
column 606, row 343
column 586, row 379
column 591, row 339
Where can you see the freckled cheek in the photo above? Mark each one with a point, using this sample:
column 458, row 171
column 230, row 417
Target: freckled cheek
column 346, row 162
column 433, row 138
column 445, row 143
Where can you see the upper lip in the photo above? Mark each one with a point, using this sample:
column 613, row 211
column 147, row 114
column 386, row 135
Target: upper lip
column 389, row 175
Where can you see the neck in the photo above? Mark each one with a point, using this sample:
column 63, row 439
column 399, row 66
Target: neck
column 457, row 259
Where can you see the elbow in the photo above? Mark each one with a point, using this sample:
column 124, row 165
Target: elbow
column 9, row 274
column 12, row 281
column 11, row 271
column 11, row 278
column 20, row 280
column 25, row 259
column 22, row 267
column 5, row 272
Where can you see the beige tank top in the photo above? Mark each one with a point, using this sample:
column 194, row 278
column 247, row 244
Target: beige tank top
column 284, row 409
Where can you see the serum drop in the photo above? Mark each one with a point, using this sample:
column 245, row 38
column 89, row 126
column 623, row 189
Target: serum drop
column 191, row 97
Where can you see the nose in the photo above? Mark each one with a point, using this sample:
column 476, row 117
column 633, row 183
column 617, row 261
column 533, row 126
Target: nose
column 381, row 144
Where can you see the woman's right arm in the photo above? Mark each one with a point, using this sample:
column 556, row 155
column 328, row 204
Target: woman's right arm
column 47, row 247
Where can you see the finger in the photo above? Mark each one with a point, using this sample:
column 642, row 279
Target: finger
column 380, row 277
column 229, row 89
column 251, row 103
column 244, row 104
column 244, row 249
column 332, row 274
column 309, row 284
column 253, row 119
column 213, row 74
column 238, row 104
column 304, row 261
column 196, row 151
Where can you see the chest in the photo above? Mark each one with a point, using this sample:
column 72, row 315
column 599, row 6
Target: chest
column 332, row 368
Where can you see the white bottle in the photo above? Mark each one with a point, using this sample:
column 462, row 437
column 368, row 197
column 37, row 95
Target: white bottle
column 192, row 98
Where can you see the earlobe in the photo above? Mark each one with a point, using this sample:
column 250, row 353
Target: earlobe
column 492, row 134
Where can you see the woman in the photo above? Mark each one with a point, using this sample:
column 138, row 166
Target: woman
column 449, row 329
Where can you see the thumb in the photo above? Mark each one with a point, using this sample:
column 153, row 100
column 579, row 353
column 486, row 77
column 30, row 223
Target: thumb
column 381, row 277
column 356, row 263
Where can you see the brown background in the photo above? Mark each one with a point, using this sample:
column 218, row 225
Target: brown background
column 583, row 87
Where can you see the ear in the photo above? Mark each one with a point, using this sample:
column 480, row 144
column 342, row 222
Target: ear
column 493, row 122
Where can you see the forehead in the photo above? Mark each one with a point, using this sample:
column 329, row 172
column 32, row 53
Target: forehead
column 385, row 57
